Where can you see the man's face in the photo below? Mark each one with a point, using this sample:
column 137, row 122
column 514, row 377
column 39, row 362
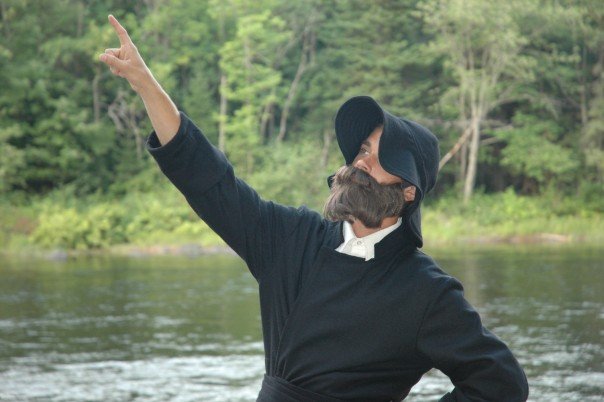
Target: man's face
column 367, row 160
column 355, row 195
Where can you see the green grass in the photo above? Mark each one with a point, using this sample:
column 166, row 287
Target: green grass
column 441, row 227
column 507, row 217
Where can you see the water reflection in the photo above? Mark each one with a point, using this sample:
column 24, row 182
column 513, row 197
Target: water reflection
column 189, row 329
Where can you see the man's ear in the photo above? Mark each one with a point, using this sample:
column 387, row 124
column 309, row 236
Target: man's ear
column 409, row 193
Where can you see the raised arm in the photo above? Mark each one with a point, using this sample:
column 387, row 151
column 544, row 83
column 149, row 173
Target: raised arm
column 254, row 228
column 126, row 62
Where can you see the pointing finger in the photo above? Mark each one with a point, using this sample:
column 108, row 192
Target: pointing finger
column 120, row 30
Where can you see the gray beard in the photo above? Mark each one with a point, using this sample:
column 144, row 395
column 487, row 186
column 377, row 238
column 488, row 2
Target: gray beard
column 357, row 195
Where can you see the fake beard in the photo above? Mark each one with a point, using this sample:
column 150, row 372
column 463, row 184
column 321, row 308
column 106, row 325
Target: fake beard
column 357, row 195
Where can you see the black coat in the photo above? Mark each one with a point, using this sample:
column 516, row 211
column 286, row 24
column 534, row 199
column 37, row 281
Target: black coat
column 335, row 325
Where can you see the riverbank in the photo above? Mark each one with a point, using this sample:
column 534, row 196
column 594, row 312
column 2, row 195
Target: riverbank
column 145, row 224
column 196, row 250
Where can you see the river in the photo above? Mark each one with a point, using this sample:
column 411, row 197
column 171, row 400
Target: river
column 188, row 329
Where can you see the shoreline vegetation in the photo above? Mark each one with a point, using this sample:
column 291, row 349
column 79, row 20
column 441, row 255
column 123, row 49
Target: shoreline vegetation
column 516, row 106
column 143, row 224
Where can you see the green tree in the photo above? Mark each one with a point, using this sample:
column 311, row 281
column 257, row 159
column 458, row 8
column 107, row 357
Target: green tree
column 49, row 126
column 251, row 62
column 533, row 152
column 482, row 45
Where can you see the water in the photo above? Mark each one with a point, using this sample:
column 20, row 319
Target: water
column 179, row 329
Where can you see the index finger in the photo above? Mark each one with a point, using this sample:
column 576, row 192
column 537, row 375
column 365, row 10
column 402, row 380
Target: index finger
column 120, row 31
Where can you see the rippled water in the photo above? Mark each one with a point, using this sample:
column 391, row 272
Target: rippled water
column 178, row 329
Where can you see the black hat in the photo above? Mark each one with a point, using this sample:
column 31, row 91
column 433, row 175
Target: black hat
column 407, row 149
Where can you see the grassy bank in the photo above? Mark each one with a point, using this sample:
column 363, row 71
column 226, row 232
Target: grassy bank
column 162, row 222
column 508, row 218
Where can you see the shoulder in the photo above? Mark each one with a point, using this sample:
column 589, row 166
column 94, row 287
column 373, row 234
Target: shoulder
column 425, row 267
column 305, row 224
column 431, row 281
column 297, row 218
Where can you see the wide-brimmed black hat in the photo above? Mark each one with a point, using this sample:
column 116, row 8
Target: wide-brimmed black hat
column 406, row 149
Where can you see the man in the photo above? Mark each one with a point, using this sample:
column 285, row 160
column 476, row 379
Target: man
column 351, row 309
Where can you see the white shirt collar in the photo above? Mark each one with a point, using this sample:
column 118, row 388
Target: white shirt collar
column 364, row 247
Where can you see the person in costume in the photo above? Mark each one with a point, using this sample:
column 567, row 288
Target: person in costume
column 351, row 309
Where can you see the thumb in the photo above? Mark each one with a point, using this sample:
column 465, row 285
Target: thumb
column 118, row 66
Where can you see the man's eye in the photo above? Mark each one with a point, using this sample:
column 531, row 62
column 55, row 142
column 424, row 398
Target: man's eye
column 363, row 151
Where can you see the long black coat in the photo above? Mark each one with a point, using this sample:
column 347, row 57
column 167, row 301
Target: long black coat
column 335, row 326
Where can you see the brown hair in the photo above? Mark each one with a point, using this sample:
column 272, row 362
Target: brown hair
column 357, row 195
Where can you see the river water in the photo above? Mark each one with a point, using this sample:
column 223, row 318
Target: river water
column 188, row 329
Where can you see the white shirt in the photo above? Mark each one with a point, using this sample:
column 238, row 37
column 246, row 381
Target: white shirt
column 364, row 247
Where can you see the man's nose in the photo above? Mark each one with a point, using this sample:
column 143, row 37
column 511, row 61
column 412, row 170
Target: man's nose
column 363, row 165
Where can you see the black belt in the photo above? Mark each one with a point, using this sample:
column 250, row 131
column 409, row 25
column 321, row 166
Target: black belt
column 275, row 389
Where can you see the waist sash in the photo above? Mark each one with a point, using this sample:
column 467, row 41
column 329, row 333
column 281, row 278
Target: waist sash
column 276, row 389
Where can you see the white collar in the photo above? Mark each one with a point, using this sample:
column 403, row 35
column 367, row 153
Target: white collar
column 364, row 247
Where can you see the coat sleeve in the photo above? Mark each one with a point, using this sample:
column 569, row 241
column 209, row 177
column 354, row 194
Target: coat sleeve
column 251, row 226
column 480, row 366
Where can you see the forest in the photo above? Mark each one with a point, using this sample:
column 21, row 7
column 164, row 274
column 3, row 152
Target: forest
column 514, row 90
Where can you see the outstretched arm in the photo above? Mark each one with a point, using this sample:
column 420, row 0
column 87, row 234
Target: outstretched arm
column 127, row 63
column 256, row 229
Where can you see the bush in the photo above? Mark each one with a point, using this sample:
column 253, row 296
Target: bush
column 292, row 175
column 98, row 227
column 137, row 218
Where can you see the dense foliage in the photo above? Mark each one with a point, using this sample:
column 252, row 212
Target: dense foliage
column 513, row 89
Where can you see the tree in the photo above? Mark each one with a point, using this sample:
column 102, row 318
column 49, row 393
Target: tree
column 482, row 46
column 49, row 122
column 251, row 62
column 533, row 151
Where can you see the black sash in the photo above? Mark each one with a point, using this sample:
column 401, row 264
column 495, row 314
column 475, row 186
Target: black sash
column 276, row 389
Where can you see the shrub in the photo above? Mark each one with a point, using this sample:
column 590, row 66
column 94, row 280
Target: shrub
column 98, row 227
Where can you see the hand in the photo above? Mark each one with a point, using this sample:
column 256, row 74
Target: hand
column 125, row 61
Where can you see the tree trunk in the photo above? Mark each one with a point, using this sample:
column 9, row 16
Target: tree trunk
column 583, row 88
column 80, row 22
column 3, row 11
column 293, row 87
column 138, row 139
column 463, row 161
column 223, row 114
column 327, row 140
column 125, row 119
column 96, row 102
column 249, row 163
column 460, row 142
column 265, row 118
column 470, row 180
